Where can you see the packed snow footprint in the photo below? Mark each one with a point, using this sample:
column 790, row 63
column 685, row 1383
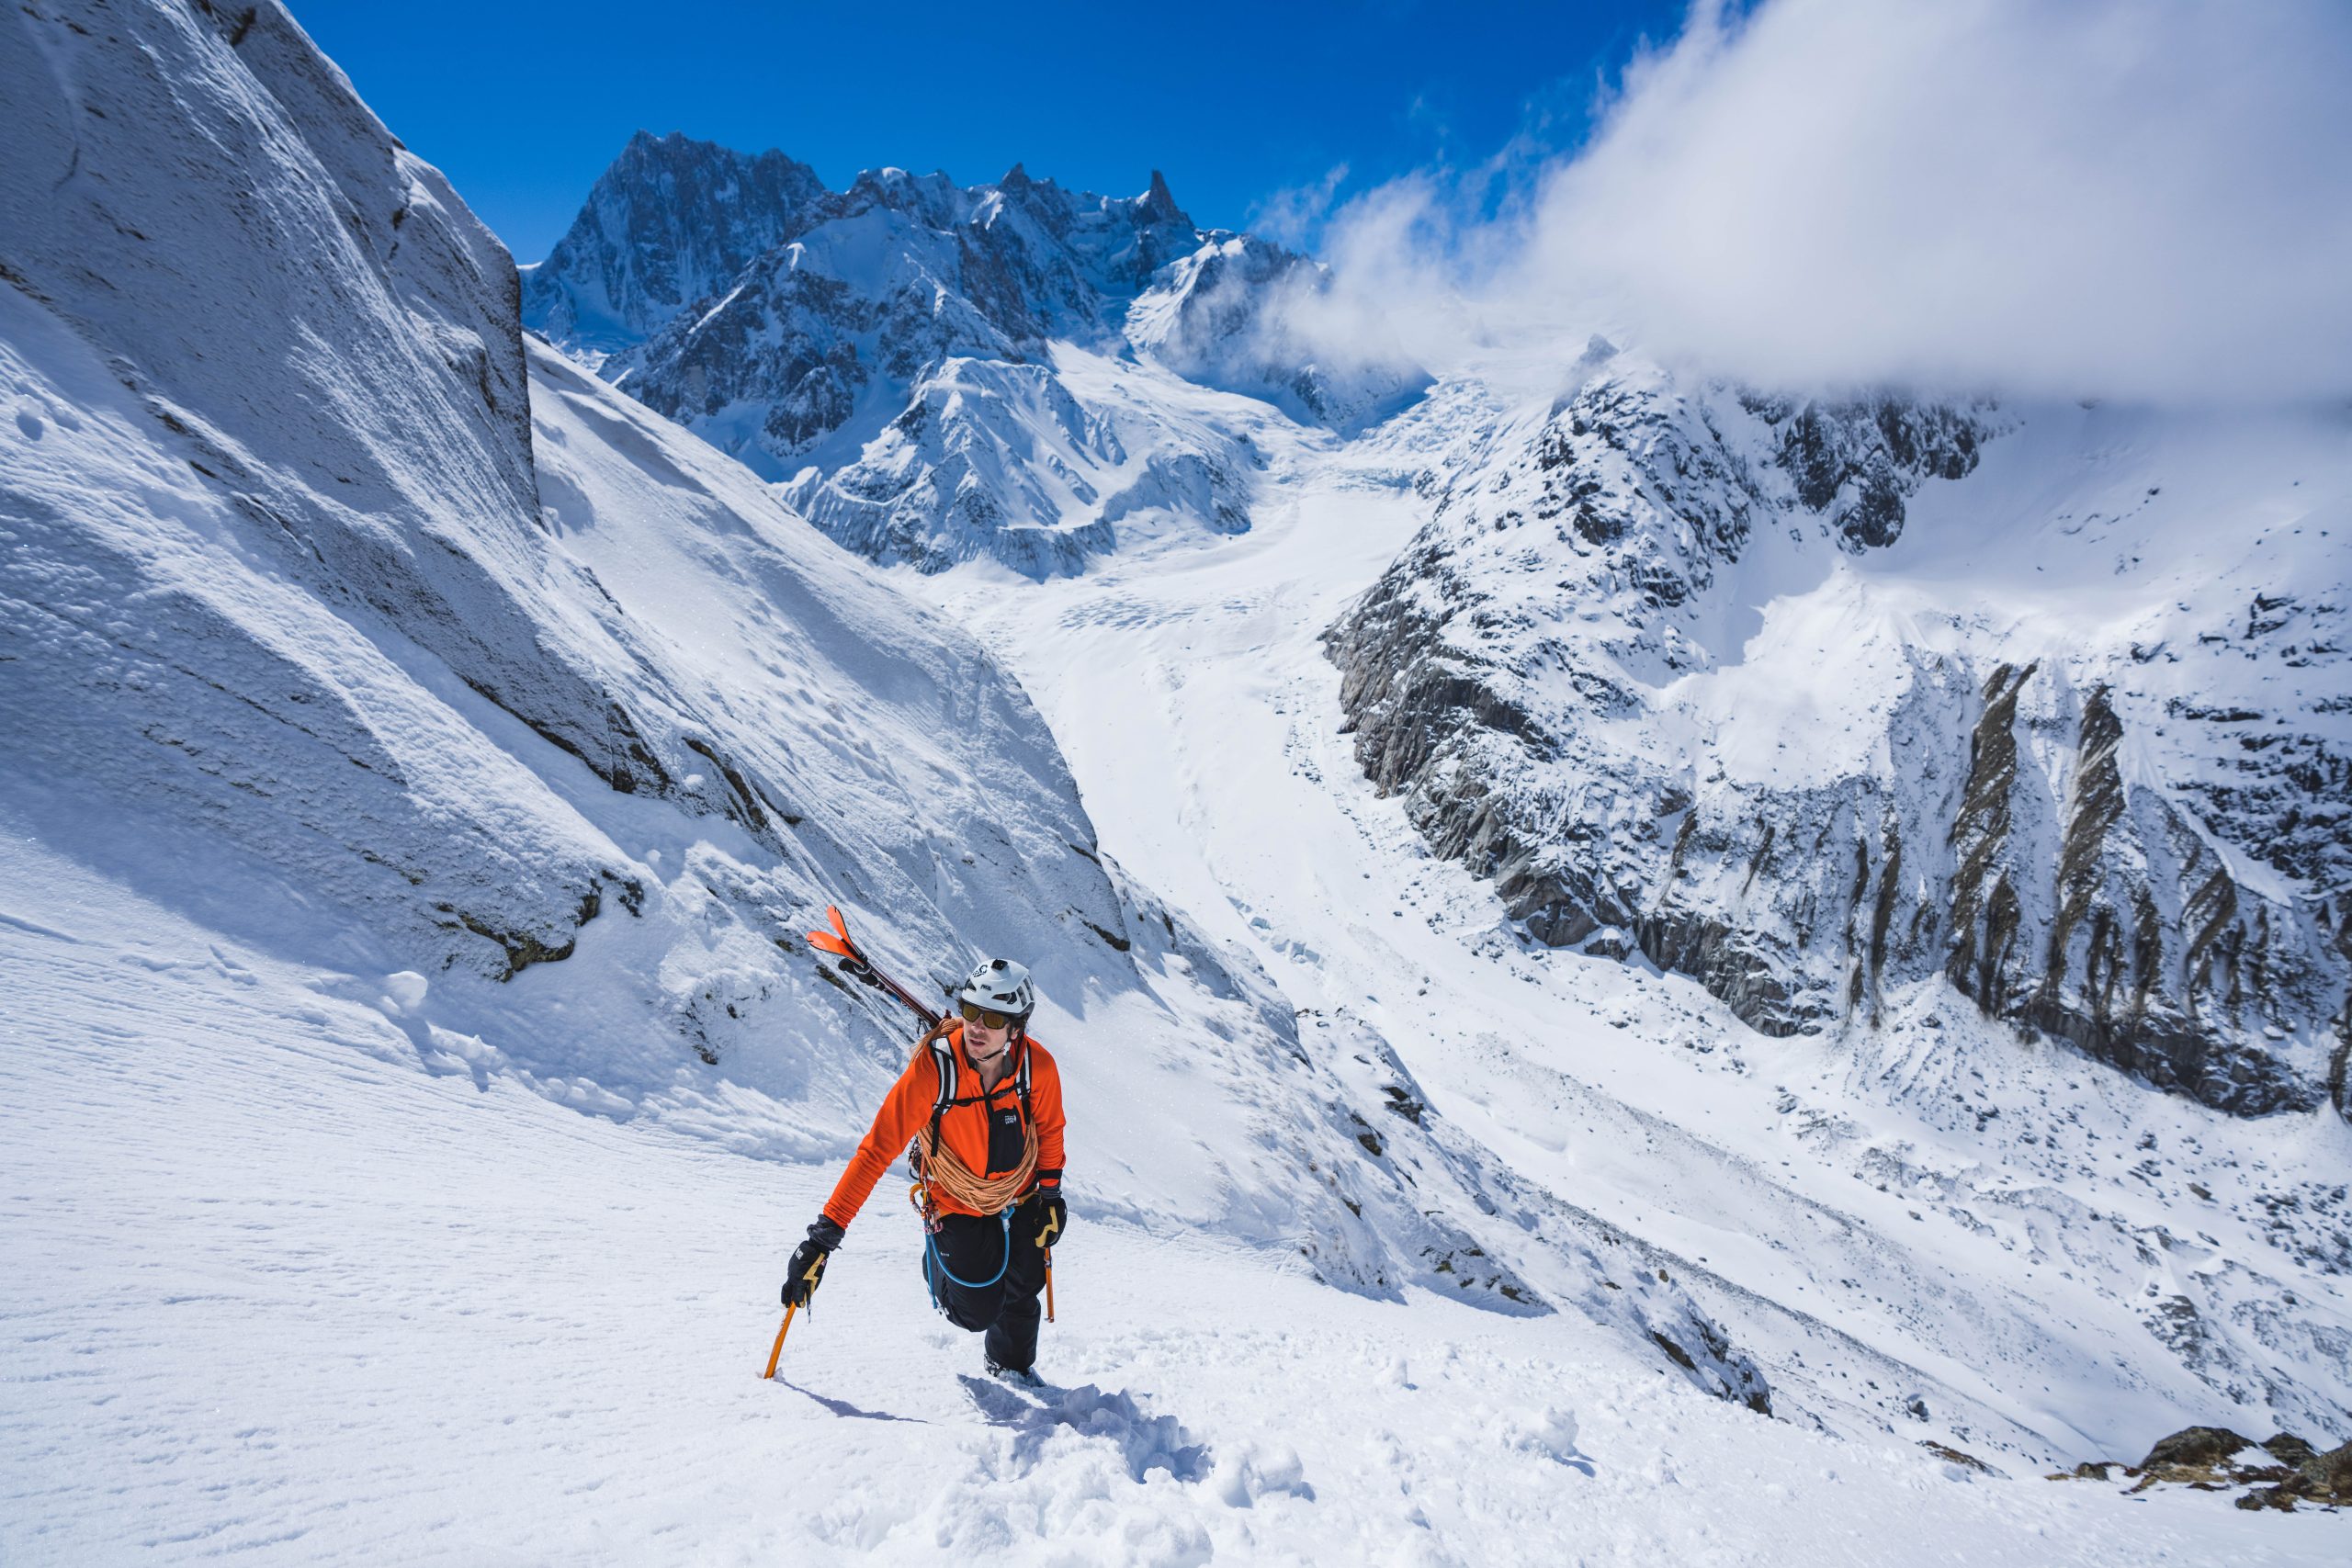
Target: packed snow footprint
column 1045, row 1423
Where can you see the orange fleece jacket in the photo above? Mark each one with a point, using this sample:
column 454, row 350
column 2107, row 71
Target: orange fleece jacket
column 965, row 1128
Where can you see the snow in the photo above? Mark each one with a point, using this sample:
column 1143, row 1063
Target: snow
column 347, row 1221
column 1814, row 1193
column 277, row 1294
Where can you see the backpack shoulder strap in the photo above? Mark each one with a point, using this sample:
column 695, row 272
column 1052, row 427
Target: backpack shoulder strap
column 943, row 1058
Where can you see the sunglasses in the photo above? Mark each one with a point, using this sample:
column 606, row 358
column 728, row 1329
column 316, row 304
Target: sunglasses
column 988, row 1018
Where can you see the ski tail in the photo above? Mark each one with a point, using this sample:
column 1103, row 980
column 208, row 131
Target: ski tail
column 857, row 966
column 839, row 945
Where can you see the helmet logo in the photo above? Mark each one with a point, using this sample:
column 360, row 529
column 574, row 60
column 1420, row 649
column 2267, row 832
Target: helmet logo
column 1002, row 985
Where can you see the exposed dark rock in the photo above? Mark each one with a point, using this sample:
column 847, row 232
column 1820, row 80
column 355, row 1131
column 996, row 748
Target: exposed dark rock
column 522, row 949
column 1979, row 832
column 1960, row 1457
column 2322, row 1478
column 2288, row 1449
column 2326, row 1477
column 2195, row 1448
column 1498, row 678
column 2090, row 1470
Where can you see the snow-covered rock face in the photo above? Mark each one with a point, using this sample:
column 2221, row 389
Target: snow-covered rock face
column 1222, row 316
column 894, row 350
column 668, row 224
column 1819, row 702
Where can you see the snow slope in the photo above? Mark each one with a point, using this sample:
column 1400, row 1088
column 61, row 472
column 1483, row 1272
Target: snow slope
column 276, row 1294
column 419, row 760
column 2053, row 1259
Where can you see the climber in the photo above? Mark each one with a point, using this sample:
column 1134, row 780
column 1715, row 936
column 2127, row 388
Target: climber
column 982, row 1103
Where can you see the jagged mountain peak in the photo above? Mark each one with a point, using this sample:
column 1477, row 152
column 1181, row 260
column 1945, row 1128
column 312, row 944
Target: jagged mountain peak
column 887, row 332
column 670, row 217
column 1158, row 204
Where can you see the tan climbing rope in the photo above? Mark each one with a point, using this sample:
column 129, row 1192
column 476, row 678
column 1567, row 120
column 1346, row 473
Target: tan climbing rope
column 941, row 1172
column 952, row 1179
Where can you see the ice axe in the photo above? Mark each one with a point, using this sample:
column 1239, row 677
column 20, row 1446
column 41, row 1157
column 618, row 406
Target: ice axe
column 1046, row 1244
column 780, row 1333
column 816, row 1271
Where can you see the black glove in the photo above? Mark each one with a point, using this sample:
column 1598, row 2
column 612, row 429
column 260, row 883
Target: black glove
column 806, row 1269
column 1047, row 1215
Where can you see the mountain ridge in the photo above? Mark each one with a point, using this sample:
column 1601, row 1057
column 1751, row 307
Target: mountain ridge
column 883, row 331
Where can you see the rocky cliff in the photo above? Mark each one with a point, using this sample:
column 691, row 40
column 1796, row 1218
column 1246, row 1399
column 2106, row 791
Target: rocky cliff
column 1819, row 700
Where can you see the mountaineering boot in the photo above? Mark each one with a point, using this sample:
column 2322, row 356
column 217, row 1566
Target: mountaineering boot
column 1021, row 1375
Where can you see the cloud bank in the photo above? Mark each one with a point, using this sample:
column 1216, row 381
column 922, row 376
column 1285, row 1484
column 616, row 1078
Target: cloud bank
column 2126, row 198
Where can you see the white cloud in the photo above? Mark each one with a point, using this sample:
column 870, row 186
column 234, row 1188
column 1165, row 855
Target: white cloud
column 2120, row 198
column 1290, row 216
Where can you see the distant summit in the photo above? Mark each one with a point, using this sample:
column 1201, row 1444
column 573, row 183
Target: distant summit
column 670, row 217
column 1159, row 204
column 870, row 344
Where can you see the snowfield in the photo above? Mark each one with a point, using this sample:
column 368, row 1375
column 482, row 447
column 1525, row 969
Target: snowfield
column 279, row 1292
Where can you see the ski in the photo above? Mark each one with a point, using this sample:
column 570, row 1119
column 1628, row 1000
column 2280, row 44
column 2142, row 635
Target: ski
column 857, row 966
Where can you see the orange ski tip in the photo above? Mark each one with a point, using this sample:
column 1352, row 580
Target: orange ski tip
column 835, row 915
column 825, row 942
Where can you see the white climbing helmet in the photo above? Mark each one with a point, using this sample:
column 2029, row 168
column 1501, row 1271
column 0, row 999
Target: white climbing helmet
column 1001, row 986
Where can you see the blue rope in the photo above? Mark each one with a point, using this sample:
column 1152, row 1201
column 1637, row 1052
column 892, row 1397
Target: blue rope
column 932, row 1261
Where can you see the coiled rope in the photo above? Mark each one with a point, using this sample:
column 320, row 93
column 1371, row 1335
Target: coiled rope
column 952, row 1178
column 941, row 1172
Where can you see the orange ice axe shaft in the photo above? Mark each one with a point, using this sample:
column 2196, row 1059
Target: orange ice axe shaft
column 780, row 1333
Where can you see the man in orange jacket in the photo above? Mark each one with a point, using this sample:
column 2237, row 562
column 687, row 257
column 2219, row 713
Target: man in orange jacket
column 982, row 1103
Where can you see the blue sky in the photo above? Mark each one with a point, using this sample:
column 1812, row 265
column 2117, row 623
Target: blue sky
column 523, row 105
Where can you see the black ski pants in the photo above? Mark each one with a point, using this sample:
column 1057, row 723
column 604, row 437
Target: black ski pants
column 1001, row 1298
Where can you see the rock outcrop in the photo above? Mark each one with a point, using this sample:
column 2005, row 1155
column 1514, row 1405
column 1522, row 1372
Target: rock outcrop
column 1671, row 666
